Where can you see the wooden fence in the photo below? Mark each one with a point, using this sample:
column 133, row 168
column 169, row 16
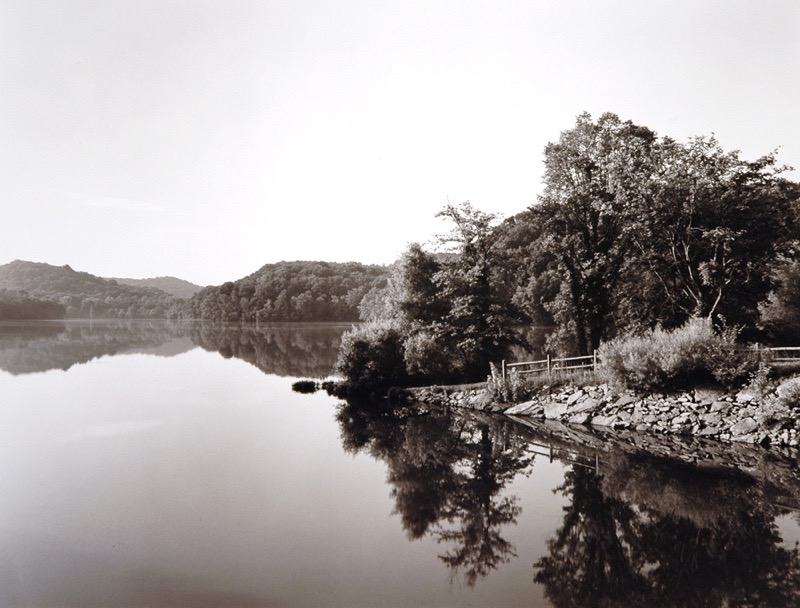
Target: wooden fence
column 551, row 364
column 779, row 354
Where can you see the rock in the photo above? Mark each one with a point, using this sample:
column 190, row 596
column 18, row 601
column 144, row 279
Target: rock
column 587, row 405
column 480, row 401
column 581, row 418
column 711, row 419
column 554, row 411
column 710, row 431
column 575, row 397
column 719, row 406
column 707, row 394
column 624, row 416
column 607, row 421
column 746, row 395
column 626, row 400
column 520, row 407
column 744, row 427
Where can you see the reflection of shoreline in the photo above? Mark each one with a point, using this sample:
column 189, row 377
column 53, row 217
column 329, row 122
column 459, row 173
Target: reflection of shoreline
column 298, row 350
column 685, row 522
column 773, row 471
column 639, row 528
column 27, row 348
column 306, row 350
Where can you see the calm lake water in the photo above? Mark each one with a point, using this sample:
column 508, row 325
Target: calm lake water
column 149, row 464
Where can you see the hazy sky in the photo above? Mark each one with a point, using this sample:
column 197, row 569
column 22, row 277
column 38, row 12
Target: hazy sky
column 203, row 139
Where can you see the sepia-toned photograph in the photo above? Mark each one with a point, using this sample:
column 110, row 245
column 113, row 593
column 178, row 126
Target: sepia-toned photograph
column 399, row 304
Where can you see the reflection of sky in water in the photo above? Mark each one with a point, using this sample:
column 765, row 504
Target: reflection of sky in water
column 195, row 481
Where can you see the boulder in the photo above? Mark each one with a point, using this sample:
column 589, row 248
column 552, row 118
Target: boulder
column 708, row 394
column 789, row 391
column 626, row 400
column 711, row 418
column 586, row 405
column 554, row 411
column 480, row 401
column 575, row 397
column 520, row 408
column 581, row 418
column 746, row 395
column 607, row 421
column 744, row 427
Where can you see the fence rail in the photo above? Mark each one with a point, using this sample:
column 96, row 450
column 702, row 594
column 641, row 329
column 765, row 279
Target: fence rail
column 779, row 354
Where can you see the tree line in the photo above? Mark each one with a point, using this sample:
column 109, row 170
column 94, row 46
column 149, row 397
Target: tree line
column 286, row 291
column 290, row 291
column 632, row 232
column 15, row 306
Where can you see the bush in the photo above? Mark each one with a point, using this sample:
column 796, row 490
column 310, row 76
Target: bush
column 511, row 389
column 426, row 357
column 789, row 392
column 670, row 359
column 371, row 359
column 515, row 387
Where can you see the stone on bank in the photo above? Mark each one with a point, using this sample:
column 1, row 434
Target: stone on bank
column 743, row 416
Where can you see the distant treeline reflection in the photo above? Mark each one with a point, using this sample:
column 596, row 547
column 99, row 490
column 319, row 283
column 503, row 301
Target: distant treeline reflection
column 638, row 529
column 297, row 350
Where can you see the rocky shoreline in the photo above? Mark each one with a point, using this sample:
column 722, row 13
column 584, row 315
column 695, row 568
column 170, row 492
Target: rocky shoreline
column 742, row 416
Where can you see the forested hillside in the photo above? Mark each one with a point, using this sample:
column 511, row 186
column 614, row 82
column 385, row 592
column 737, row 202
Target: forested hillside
column 291, row 291
column 15, row 306
column 171, row 285
column 84, row 295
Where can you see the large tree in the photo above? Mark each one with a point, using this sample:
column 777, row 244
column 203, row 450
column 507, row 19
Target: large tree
column 595, row 179
column 710, row 232
column 480, row 320
column 636, row 231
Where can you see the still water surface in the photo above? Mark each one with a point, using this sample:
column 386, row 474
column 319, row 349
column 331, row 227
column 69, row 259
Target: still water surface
column 153, row 464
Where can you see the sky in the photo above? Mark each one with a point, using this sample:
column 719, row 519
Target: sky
column 203, row 139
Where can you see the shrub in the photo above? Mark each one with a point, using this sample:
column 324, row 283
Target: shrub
column 511, row 389
column 669, row 359
column 789, row 392
column 425, row 356
column 371, row 359
column 515, row 387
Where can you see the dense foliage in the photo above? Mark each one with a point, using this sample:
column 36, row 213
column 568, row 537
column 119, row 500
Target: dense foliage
column 87, row 296
column 15, row 305
column 441, row 317
column 290, row 291
column 634, row 231
column 663, row 359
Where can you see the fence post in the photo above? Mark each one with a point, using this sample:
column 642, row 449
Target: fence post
column 548, row 365
column 594, row 360
column 504, row 369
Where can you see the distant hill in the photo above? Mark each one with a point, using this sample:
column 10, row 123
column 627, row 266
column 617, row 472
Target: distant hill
column 172, row 285
column 84, row 295
column 291, row 291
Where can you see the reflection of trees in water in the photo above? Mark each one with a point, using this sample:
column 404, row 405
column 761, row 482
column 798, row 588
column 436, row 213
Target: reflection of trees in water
column 447, row 474
column 298, row 350
column 37, row 347
column 286, row 350
column 653, row 532
column 648, row 531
